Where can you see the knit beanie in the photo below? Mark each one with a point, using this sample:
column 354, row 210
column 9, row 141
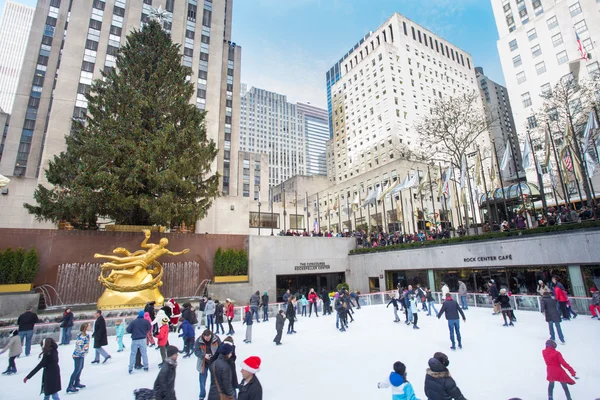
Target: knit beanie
column 226, row 348
column 172, row 350
column 141, row 314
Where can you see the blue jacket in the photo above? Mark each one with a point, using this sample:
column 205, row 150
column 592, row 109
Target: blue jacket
column 138, row 328
column 187, row 330
column 401, row 390
column 248, row 318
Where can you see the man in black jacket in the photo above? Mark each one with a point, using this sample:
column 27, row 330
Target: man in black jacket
column 439, row 384
column 549, row 308
column 451, row 309
column 250, row 387
column 493, row 294
column 220, row 374
column 100, row 338
column 326, row 301
column 164, row 385
column 26, row 322
column 279, row 323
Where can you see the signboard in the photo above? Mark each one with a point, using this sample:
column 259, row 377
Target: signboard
column 312, row 266
column 501, row 257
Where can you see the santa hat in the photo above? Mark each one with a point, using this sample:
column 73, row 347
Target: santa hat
column 251, row 364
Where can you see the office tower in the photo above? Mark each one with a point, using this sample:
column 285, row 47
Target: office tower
column 316, row 133
column 14, row 32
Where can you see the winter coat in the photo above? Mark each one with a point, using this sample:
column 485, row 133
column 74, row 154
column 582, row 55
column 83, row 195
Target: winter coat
column 559, row 294
column 279, row 322
column 164, row 385
column 420, row 292
column 596, row 298
column 439, row 384
column 303, row 301
column 543, row 289
column 99, row 335
column 413, row 306
column 286, row 297
column 290, row 312
column 139, row 328
column 231, row 362
column 82, row 345
column 548, row 307
column 27, row 320
column 325, row 297
column 209, row 308
column 254, row 300
column 51, row 374
column 429, row 297
column 219, row 313
column 150, row 310
column 339, row 305
column 554, row 367
column 159, row 317
column 220, row 375
column 445, row 291
column 504, row 302
column 462, row 289
column 189, row 315
column 202, row 305
column 176, row 313
column 120, row 330
column 407, row 295
column 313, row 297
column 187, row 330
column 13, row 346
column 248, row 318
column 493, row 291
column 394, row 302
column 451, row 308
column 265, row 299
column 401, row 390
column 251, row 390
column 230, row 312
column 163, row 335
column 67, row 320
column 201, row 348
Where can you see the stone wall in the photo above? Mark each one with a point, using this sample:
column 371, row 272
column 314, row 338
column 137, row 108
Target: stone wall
column 13, row 304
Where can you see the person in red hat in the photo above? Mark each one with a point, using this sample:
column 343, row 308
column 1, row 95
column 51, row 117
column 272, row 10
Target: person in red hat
column 554, row 369
column 176, row 309
column 595, row 306
column 250, row 387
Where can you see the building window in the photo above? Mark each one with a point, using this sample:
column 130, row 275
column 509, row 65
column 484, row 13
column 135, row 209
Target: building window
column 521, row 77
column 531, row 122
column 588, row 45
column 192, row 9
column 540, row 68
column 206, row 17
column 593, row 70
column 513, row 45
column 546, row 89
column 580, row 27
column 552, row 22
column 562, row 57
column 557, row 40
column 536, row 51
column 517, row 61
column 575, row 9
column 532, row 34
column 266, row 220
column 526, row 99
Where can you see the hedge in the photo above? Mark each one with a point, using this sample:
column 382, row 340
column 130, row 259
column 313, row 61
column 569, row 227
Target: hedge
column 485, row 236
column 18, row 266
column 230, row 262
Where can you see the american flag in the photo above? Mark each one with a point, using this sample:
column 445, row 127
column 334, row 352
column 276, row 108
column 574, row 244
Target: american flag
column 567, row 160
column 584, row 54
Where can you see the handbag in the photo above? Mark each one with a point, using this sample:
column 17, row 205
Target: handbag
column 221, row 395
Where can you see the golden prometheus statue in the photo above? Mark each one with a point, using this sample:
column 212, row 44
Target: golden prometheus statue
column 135, row 278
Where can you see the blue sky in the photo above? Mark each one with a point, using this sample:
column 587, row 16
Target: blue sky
column 288, row 45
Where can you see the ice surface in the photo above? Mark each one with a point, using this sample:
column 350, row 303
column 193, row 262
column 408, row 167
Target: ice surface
column 319, row 362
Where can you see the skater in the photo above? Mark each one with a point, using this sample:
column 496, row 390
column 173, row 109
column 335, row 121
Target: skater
column 201, row 310
column 286, row 297
column 51, row 374
column 138, row 328
column 188, row 313
column 82, row 346
column 505, row 306
column 231, row 360
column 340, row 308
column 149, row 308
column 149, row 336
column 220, row 374
column 290, row 313
column 209, row 311
column 560, row 295
column 430, row 302
column 550, row 311
column 542, row 288
column 265, row 306
column 279, row 323
column 356, row 298
column 394, row 302
column 101, row 338
column 326, row 301
column 348, row 304
column 229, row 313
column 189, row 337
column 451, row 309
column 120, row 333
column 164, row 385
column 401, row 388
column 595, row 305
column 254, row 303
column 445, row 290
column 162, row 340
column 15, row 348
column 248, row 320
column 66, row 324
column 570, row 309
column 438, row 381
column 313, row 298
column 421, row 295
column 219, row 317
column 493, row 291
column 407, row 310
column 250, row 387
column 26, row 323
column 554, row 370
column 462, row 293
column 303, row 302
column 414, row 309
column 205, row 348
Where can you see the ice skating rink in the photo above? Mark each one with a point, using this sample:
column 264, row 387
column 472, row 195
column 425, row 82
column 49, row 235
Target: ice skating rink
column 319, row 362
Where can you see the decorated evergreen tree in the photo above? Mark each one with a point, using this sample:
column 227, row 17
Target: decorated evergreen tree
column 142, row 156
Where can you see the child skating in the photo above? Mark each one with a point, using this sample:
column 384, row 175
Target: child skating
column 401, row 388
column 554, row 370
column 414, row 309
column 303, row 303
column 394, row 302
column 120, row 333
column 15, row 349
column 189, row 337
column 248, row 322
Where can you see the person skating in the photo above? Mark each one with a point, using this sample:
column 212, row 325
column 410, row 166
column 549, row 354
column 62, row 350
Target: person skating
column 101, row 338
column 290, row 314
column 430, row 302
column 51, row 375
column 26, row 323
column 570, row 309
column 175, row 314
column 542, row 288
column 189, row 337
column 493, row 292
column 313, row 298
column 205, row 348
column 229, row 313
column 164, row 385
column 66, row 324
column 286, row 297
column 82, row 346
column 445, row 290
column 326, row 302
column 139, row 328
column 209, row 312
column 451, row 309
column 505, row 307
column 150, row 342
column 279, row 323
column 163, row 340
column 303, row 303
column 189, row 314
column 549, row 308
column 414, row 309
column 462, row 294
column 220, row 374
column 348, row 305
column 554, row 370
column 439, row 384
column 149, row 308
column 420, row 293
column 394, row 302
column 254, row 303
column 560, row 295
column 248, row 320
column 595, row 305
column 231, row 360
column 407, row 295
column 356, row 297
column 15, row 348
column 401, row 388
column 265, row 306
column 250, row 387
column 201, row 308
column 120, row 333
column 219, row 311
column 340, row 308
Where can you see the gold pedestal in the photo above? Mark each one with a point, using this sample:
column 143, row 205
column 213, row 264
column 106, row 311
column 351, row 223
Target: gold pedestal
column 112, row 299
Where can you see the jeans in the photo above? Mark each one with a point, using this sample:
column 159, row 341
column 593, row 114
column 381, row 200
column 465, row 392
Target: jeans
column 265, row 313
column 210, row 322
column 254, row 311
column 248, row 333
column 203, row 376
column 26, row 336
column 303, row 313
column 357, row 302
column 396, row 314
column 409, row 315
column 290, row 325
column 431, row 305
column 135, row 345
column 563, row 309
column 101, row 352
column 53, row 395
column 558, row 329
column 310, row 307
column 76, row 371
column 454, row 325
column 66, row 335
column 278, row 336
column 463, row 303
column 120, row 343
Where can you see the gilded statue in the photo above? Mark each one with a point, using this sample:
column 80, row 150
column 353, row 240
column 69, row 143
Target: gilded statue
column 135, row 278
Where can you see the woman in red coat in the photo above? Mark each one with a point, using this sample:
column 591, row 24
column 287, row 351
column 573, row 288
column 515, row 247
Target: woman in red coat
column 229, row 313
column 555, row 372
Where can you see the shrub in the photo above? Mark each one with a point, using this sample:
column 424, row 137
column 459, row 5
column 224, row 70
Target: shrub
column 16, row 268
column 6, row 264
column 230, row 262
column 30, row 266
column 343, row 285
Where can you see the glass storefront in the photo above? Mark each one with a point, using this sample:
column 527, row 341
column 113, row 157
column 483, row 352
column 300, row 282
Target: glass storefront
column 301, row 284
column 591, row 277
column 405, row 278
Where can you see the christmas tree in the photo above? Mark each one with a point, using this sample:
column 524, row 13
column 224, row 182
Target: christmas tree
column 142, row 156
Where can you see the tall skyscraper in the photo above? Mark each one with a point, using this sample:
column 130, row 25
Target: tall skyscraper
column 316, row 133
column 60, row 65
column 15, row 25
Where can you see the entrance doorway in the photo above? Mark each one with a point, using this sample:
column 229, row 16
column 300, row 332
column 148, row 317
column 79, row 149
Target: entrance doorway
column 374, row 285
column 301, row 284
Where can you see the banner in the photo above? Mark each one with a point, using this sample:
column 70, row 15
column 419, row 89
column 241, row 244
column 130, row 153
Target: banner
column 527, row 154
column 463, row 172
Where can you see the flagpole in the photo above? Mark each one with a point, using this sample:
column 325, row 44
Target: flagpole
column 567, row 198
column 573, row 161
column 583, row 171
column 514, row 158
column 259, row 222
column 360, row 209
column 392, row 198
column 595, row 148
column 354, row 213
column 506, row 210
column 432, row 198
column 444, row 205
column 328, row 216
column 318, row 215
column 402, row 211
column 348, row 211
column 376, row 212
column 471, row 199
column 284, row 212
column 384, row 219
column 421, row 197
column 538, row 174
column 271, row 200
column 487, row 196
column 296, row 202
column 412, row 209
column 307, row 212
column 461, row 222
column 339, row 211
